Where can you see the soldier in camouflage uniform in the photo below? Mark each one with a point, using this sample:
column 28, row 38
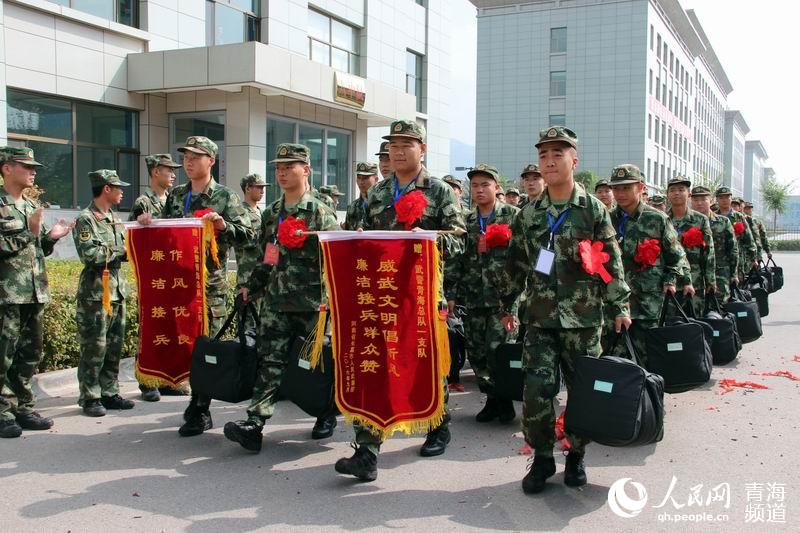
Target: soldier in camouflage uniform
column 701, row 258
column 512, row 196
column 24, row 243
column 232, row 226
column 564, row 302
column 366, row 177
column 249, row 254
column 744, row 238
column 658, row 202
column 406, row 148
column 291, row 280
column 760, row 233
column 453, row 182
column 738, row 205
column 330, row 195
column 161, row 171
column 384, row 162
column 726, row 251
column 532, row 183
column 100, row 242
column 471, row 283
column 602, row 191
column 636, row 222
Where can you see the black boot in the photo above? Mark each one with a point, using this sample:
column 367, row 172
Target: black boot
column 149, row 394
column 246, row 433
column 323, row 427
column 34, row 421
column 363, row 464
column 116, row 402
column 196, row 423
column 93, row 408
column 505, row 411
column 541, row 468
column 9, row 429
column 574, row 470
column 436, row 442
column 489, row 411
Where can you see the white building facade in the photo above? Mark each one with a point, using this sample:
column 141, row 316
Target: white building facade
column 755, row 173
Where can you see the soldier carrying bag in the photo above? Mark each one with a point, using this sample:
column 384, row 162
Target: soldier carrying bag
column 758, row 285
column 310, row 389
column 509, row 378
column 226, row 369
column 748, row 321
column 614, row 401
column 725, row 344
column 678, row 351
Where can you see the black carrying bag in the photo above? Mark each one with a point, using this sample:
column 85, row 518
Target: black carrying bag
column 766, row 274
column 726, row 344
column 759, row 291
column 614, row 401
column 457, row 337
column 226, row 369
column 775, row 274
column 509, row 378
column 678, row 351
column 309, row 389
column 748, row 321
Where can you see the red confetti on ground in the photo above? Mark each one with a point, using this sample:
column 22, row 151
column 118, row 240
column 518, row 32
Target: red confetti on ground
column 778, row 373
column 457, row 387
column 727, row 385
column 135, row 494
column 712, row 408
column 525, row 450
column 796, row 359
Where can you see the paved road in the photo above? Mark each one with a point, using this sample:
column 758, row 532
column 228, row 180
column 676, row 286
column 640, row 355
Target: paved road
column 131, row 471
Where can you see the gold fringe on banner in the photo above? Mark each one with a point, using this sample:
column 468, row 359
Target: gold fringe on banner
column 312, row 349
column 210, row 235
column 440, row 319
column 107, row 292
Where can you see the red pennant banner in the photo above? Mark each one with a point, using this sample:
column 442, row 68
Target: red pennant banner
column 389, row 338
column 169, row 261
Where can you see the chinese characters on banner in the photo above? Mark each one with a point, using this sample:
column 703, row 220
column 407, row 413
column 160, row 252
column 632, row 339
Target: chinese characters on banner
column 389, row 338
column 168, row 258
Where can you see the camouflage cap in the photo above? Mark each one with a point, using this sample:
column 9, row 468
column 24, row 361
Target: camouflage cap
column 290, row 152
column 160, row 160
column 452, row 181
column 105, row 176
column 15, row 154
column 749, row 204
column 657, row 199
column 737, row 200
column 500, row 193
column 602, row 182
column 558, row 134
column 699, row 190
column 679, row 180
column 406, row 128
column 253, row 180
column 722, row 191
column 625, row 174
column 483, row 168
column 531, row 170
column 330, row 190
column 384, row 149
column 200, row 145
column 366, row 169
column 512, row 190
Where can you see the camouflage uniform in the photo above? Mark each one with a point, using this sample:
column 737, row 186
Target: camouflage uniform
column 563, row 310
column 745, row 241
column 100, row 242
column 23, row 293
column 751, row 223
column 726, row 250
column 761, row 235
column 357, row 209
column 149, row 202
column 248, row 253
column 646, row 284
column 326, row 194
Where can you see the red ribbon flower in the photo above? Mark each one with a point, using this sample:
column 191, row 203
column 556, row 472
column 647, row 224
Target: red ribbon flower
column 409, row 208
column 692, row 238
column 200, row 213
column 593, row 258
column 497, row 235
column 738, row 228
column 290, row 232
column 646, row 253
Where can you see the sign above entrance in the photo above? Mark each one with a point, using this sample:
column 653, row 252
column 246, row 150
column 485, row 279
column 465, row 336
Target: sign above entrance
column 350, row 90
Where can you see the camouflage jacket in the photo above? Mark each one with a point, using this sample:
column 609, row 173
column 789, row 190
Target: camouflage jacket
column 23, row 279
column 100, row 239
column 647, row 283
column 569, row 297
column 702, row 260
column 249, row 254
column 726, row 249
column 471, row 279
column 355, row 214
column 751, row 223
column 224, row 202
column 295, row 284
column 745, row 241
column 148, row 202
column 761, row 235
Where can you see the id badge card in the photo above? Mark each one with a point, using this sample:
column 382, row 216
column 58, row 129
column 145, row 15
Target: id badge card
column 482, row 244
column 545, row 261
column 271, row 254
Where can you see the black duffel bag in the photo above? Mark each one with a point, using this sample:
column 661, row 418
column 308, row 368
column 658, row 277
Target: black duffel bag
column 748, row 321
column 458, row 340
column 758, row 287
column 226, row 369
column 678, row 350
column 766, row 274
column 509, row 378
column 614, row 401
column 775, row 274
column 726, row 343
column 310, row 389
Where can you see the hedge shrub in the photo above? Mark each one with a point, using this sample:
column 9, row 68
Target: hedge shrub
column 792, row 245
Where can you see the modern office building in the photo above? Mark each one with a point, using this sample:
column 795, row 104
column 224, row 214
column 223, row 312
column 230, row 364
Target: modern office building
column 638, row 80
column 755, row 158
column 736, row 129
column 100, row 83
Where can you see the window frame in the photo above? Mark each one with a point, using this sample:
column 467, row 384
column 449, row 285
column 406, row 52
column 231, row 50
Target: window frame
column 564, row 72
column 247, row 16
column 353, row 63
column 418, row 79
column 115, row 9
column 554, row 40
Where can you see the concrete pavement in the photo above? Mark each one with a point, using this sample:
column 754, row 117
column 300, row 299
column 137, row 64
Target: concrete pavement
column 131, row 470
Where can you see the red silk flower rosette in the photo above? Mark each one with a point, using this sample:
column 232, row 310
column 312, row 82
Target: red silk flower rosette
column 409, row 208
column 593, row 259
column 290, row 232
column 497, row 235
column 693, row 238
column 646, row 253
column 738, row 228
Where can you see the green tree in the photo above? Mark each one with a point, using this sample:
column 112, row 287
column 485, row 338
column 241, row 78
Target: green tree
column 712, row 184
column 587, row 178
column 775, row 195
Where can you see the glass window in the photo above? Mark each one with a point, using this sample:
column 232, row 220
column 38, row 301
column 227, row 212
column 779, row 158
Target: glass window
column 414, row 78
column 234, row 22
column 90, row 159
column 99, row 8
column 32, row 114
column 340, row 60
column 558, row 40
column 557, row 120
column 122, row 11
column 332, row 42
column 211, row 125
column 558, row 83
column 105, row 125
column 658, row 46
column 338, row 162
column 228, row 25
column 319, row 26
column 343, row 36
column 649, row 127
column 53, row 177
column 312, row 137
column 320, row 52
column 251, row 6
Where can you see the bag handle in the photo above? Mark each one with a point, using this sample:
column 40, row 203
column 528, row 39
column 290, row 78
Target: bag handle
column 771, row 260
column 712, row 298
column 625, row 334
column 670, row 298
column 688, row 308
column 241, row 310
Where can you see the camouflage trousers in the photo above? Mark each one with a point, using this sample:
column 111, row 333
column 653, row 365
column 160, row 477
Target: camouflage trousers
column 277, row 332
column 100, row 337
column 485, row 332
column 723, row 276
column 216, row 299
column 20, row 353
column 546, row 354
